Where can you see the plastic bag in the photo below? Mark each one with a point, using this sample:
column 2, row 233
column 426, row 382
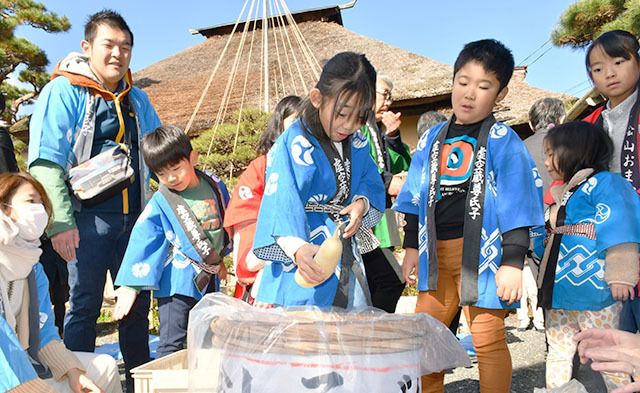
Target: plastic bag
column 234, row 347
column 573, row 386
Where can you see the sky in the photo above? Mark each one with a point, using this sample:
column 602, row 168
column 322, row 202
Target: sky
column 435, row 29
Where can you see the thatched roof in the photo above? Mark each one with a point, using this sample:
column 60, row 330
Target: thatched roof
column 514, row 109
column 175, row 84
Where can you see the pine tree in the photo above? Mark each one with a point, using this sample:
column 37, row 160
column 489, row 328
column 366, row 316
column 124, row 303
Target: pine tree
column 585, row 20
column 17, row 51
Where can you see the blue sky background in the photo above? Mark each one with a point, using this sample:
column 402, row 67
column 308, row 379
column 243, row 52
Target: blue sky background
column 435, row 29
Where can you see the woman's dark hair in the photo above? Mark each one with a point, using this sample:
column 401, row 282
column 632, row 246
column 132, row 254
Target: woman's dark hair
column 578, row 145
column 343, row 76
column 286, row 107
column 615, row 43
column 167, row 145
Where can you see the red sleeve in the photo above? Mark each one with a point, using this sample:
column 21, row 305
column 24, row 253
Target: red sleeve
column 548, row 198
column 242, row 214
column 247, row 195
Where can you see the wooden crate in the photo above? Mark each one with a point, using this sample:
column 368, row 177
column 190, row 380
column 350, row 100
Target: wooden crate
column 169, row 374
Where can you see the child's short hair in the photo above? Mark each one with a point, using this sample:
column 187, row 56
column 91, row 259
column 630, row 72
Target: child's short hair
column 615, row 43
column 492, row 54
column 165, row 146
column 545, row 112
column 343, row 76
column 578, row 145
column 285, row 108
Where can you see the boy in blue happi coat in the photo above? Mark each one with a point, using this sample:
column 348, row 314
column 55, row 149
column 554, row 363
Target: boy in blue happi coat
column 472, row 178
column 177, row 243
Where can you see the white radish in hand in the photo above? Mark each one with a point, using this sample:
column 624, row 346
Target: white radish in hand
column 328, row 257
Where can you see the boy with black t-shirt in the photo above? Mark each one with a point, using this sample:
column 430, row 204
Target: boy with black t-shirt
column 472, row 178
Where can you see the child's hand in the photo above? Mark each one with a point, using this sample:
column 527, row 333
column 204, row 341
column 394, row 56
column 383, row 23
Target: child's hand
column 80, row 383
column 622, row 291
column 125, row 298
column 410, row 264
column 222, row 273
column 509, row 282
column 309, row 269
column 355, row 211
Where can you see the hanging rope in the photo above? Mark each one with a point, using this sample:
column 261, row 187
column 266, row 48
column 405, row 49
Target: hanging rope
column 281, row 39
column 215, row 69
column 244, row 87
column 295, row 59
column 314, row 65
column 282, row 33
column 273, row 76
column 265, row 48
column 222, row 110
column 275, row 40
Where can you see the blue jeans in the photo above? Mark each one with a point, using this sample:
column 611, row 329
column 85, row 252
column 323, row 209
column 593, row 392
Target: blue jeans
column 630, row 315
column 103, row 241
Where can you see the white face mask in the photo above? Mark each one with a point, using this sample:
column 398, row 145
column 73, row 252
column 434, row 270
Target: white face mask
column 32, row 220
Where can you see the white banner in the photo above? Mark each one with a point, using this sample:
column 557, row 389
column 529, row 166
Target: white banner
column 277, row 373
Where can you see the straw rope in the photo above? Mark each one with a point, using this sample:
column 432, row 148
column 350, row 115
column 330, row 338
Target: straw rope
column 360, row 335
column 222, row 109
column 215, row 69
column 275, row 40
column 314, row 65
column 285, row 42
column 282, row 38
column 244, row 87
column 293, row 53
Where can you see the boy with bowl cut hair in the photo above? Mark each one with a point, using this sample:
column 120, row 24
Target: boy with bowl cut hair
column 177, row 244
column 472, row 178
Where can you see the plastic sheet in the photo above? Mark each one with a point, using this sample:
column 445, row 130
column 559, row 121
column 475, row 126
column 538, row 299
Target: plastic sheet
column 234, row 347
column 573, row 386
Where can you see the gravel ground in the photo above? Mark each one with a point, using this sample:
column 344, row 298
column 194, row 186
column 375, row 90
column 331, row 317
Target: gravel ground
column 528, row 357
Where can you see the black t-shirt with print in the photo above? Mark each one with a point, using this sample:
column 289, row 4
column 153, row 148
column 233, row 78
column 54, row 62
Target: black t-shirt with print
column 456, row 168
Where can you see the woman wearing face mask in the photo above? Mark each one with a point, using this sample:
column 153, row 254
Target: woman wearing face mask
column 25, row 211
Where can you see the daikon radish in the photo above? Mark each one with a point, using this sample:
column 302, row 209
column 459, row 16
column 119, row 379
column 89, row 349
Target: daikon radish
column 327, row 256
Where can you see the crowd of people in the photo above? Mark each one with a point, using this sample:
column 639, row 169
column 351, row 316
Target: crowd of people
column 491, row 222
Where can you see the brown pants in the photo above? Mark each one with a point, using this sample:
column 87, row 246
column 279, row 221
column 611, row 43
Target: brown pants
column 486, row 325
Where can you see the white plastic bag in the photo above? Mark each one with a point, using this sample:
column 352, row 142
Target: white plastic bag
column 238, row 348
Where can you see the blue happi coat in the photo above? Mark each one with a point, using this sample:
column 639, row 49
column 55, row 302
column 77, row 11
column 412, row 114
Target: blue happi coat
column 299, row 172
column 15, row 367
column 512, row 199
column 609, row 202
column 159, row 252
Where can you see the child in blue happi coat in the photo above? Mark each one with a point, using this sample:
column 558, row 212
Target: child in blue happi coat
column 613, row 64
column 471, row 194
column 178, row 241
column 590, row 261
column 319, row 172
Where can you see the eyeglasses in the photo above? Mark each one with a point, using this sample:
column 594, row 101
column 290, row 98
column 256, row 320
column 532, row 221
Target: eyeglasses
column 386, row 94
